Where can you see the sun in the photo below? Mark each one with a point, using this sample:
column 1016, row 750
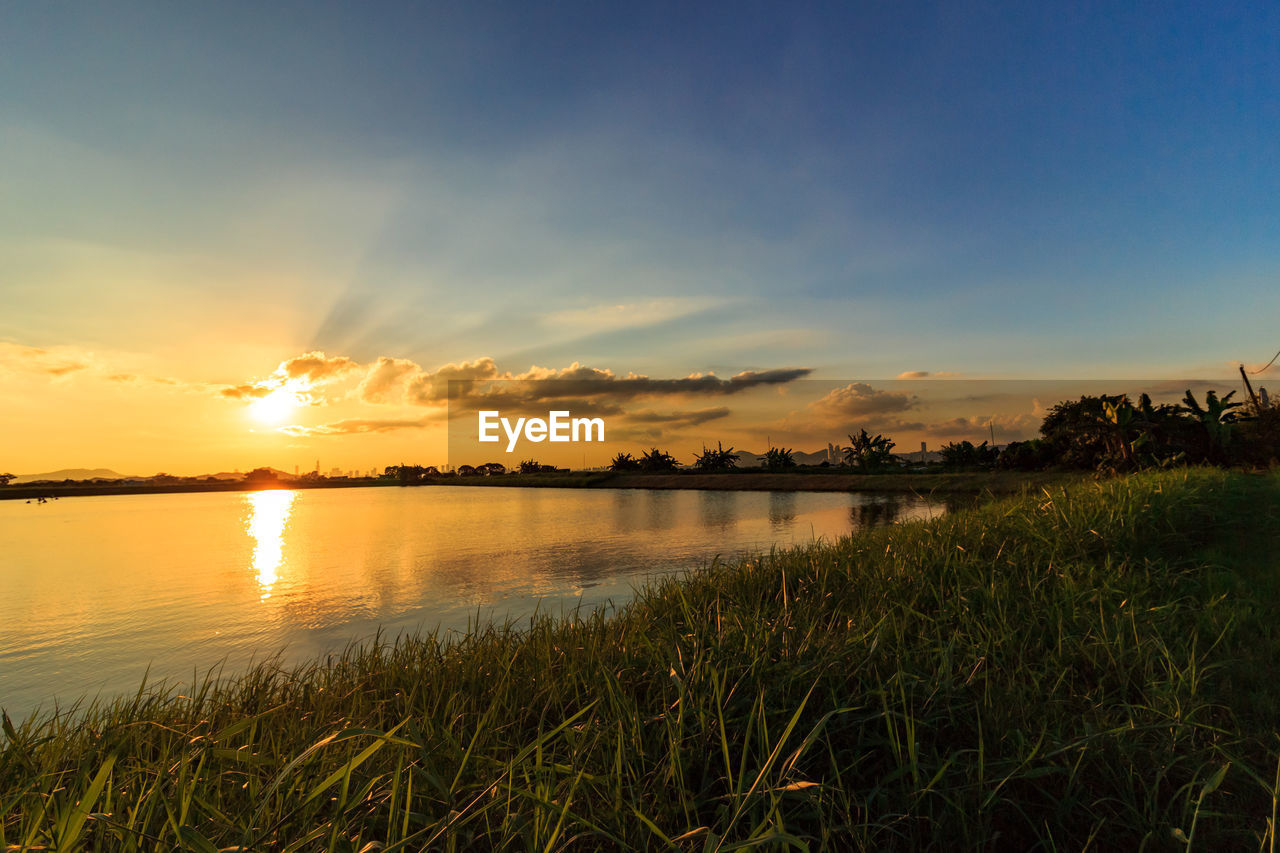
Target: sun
column 274, row 408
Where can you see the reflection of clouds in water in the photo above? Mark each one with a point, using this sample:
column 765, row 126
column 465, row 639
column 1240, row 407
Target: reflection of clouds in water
column 268, row 515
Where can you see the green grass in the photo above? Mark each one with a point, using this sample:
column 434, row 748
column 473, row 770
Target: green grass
column 1089, row 668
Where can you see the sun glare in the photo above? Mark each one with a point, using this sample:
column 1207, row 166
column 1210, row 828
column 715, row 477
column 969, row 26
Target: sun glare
column 274, row 408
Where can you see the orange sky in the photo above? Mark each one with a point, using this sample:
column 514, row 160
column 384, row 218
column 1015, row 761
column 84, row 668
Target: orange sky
column 70, row 407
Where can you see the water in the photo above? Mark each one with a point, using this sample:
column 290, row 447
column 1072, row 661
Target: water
column 99, row 590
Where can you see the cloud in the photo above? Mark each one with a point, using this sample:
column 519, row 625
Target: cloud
column 62, row 362
column 469, row 386
column 315, row 367
column 858, row 399
column 245, row 392
column 924, row 374
column 428, row 387
column 482, row 383
column 679, row 419
column 977, row 429
column 356, row 426
column 385, row 380
column 300, row 376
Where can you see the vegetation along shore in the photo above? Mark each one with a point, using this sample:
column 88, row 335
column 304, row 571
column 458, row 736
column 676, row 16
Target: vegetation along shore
column 1092, row 666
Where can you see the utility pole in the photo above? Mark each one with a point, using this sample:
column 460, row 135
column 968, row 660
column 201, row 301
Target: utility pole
column 1249, row 388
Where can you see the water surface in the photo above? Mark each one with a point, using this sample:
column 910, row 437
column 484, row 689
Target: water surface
column 99, row 590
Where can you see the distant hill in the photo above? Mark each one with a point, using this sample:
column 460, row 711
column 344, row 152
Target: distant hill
column 108, row 474
column 239, row 475
column 73, row 474
column 750, row 460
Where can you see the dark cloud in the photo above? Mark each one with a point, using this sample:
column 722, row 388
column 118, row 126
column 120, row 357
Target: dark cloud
column 925, row 374
column 679, row 419
column 579, row 381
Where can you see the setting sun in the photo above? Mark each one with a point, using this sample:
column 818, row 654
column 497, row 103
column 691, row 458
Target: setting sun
column 274, row 408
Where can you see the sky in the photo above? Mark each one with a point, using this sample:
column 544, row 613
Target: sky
column 342, row 204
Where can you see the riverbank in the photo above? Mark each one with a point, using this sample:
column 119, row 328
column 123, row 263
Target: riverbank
column 835, row 480
column 973, row 482
column 73, row 490
column 1089, row 667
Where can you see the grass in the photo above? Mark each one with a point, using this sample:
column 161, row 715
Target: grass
column 1089, row 668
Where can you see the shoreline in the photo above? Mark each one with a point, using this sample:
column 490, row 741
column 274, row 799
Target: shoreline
column 978, row 482
column 1002, row 670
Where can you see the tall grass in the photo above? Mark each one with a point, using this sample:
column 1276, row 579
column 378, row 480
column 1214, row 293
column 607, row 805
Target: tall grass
column 1086, row 668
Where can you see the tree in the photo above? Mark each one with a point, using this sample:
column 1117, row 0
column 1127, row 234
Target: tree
column 966, row 454
column 867, row 452
column 719, row 459
column 5, row 478
column 778, row 459
column 409, row 475
column 657, row 461
column 1216, row 416
column 1033, row 455
column 1076, row 430
column 530, row 466
column 624, row 462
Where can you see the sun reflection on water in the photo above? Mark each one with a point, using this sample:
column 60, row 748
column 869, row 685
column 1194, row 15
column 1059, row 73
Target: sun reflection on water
column 268, row 515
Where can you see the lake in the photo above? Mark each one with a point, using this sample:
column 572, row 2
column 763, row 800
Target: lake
column 101, row 590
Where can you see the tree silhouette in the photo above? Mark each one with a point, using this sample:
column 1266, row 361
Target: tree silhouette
column 656, row 461
column 867, row 452
column 624, row 462
column 778, row 459
column 1216, row 416
column 719, row 459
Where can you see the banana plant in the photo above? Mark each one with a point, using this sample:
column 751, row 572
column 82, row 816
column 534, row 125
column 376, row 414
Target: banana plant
column 1217, row 416
column 867, row 451
column 1126, row 428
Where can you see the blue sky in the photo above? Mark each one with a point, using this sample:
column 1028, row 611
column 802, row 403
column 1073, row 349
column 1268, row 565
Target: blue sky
column 1012, row 190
